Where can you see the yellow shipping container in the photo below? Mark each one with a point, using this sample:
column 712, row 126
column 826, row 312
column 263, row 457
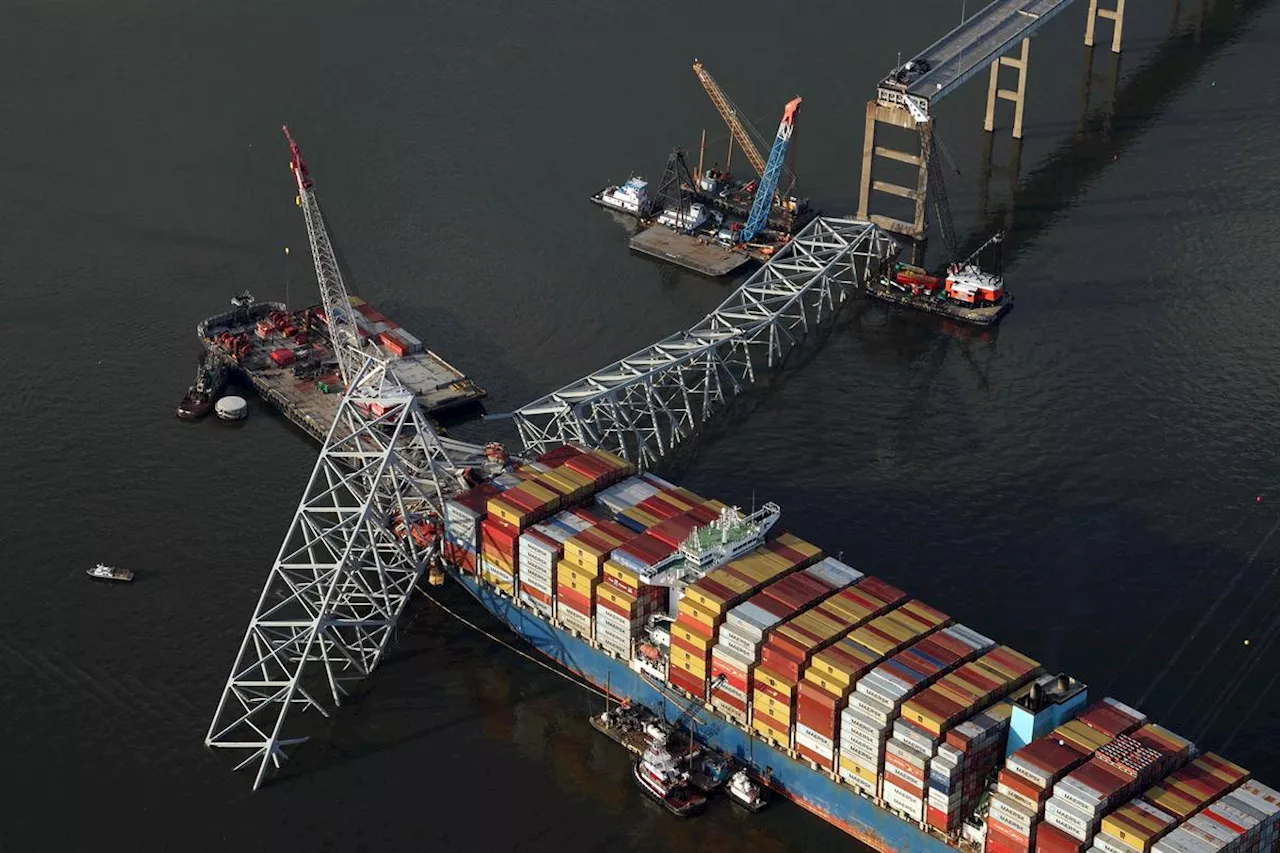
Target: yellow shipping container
column 497, row 558
column 895, row 627
column 1081, row 736
column 930, row 721
column 1000, row 711
column 770, row 732
column 876, row 643
column 1132, row 825
column 1228, row 772
column 828, row 668
column 588, row 555
column 694, row 611
column 568, row 572
column 1173, row 801
column 857, row 769
column 687, row 636
column 996, row 670
column 777, row 682
column 640, row 517
column 691, row 665
column 714, row 505
column 543, row 495
column 621, row 599
column 809, row 550
column 850, row 612
column 820, row 623
column 582, row 483
column 766, row 704
column 622, row 573
column 1030, row 663
column 552, row 480
column 508, row 512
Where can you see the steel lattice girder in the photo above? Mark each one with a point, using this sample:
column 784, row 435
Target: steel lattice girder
column 647, row 403
column 343, row 575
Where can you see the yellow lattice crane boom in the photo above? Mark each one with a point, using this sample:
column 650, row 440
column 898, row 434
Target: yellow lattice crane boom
column 730, row 115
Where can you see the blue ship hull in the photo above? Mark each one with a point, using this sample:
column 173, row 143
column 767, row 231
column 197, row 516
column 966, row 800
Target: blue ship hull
column 794, row 780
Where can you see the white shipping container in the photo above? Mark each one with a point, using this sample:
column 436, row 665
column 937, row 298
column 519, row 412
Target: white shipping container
column 1079, row 795
column 1018, row 798
column 1069, row 819
column 944, row 802
column 541, row 607
column 834, row 572
column 818, row 744
column 1214, row 832
column 903, row 801
column 914, row 735
column 823, row 743
column 948, row 754
column 851, row 778
column 860, row 754
column 967, row 635
column 573, row 619
column 907, row 753
column 1181, row 841
column 1037, row 776
column 898, row 773
column 881, row 713
column 751, row 621
column 1012, row 813
column 729, row 690
column 735, row 643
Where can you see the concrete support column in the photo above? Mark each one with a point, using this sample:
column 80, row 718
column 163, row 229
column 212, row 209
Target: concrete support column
column 1018, row 95
column 880, row 113
column 1116, row 16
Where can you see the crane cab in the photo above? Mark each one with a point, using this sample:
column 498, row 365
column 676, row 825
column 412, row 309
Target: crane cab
column 969, row 285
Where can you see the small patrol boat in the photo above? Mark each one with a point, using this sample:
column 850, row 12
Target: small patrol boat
column 109, row 573
column 746, row 793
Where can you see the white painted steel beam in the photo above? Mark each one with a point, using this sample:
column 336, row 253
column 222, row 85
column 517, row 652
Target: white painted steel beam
column 345, row 571
column 645, row 404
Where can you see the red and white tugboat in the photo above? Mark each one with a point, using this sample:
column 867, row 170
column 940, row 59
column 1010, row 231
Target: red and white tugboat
column 659, row 776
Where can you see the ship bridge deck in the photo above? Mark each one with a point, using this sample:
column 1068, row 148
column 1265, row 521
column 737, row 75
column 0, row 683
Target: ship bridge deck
column 972, row 46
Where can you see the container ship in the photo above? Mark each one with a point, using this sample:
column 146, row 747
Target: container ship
column 874, row 710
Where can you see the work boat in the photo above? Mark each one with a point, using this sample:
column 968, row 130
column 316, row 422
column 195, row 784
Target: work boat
column 659, row 776
column 631, row 197
column 746, row 793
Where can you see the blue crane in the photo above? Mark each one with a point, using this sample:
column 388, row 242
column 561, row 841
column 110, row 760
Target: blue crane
column 763, row 202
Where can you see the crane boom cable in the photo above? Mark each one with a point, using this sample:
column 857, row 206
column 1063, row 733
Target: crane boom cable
column 749, row 139
column 339, row 315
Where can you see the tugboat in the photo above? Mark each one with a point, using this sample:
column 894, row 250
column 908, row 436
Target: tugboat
column 204, row 391
column 631, row 198
column 109, row 573
column 658, row 775
column 746, row 793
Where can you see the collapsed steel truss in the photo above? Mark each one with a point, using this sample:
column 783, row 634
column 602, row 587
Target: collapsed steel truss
column 345, row 571
column 647, row 403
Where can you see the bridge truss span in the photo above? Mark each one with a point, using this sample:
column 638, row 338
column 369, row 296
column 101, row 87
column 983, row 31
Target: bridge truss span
column 647, row 403
column 345, row 571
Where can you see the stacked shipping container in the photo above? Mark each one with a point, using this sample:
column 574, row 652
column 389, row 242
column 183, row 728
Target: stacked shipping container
column 1243, row 821
column 771, row 571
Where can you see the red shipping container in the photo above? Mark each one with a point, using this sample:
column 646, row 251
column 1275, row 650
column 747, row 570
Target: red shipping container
column 886, row 592
column 556, row 457
column 687, row 681
column 573, row 599
column 903, row 784
column 659, row 509
column 536, row 594
column 282, row 357
column 789, row 554
column 620, row 585
column 703, row 514
column 1050, row 839
column 732, row 701
column 1022, row 785
column 693, row 626
column 826, row 762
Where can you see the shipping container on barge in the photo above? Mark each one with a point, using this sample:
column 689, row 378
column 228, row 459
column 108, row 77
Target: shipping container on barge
column 288, row 359
column 875, row 711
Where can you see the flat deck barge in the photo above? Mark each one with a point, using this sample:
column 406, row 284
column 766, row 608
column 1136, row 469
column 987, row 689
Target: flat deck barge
column 693, row 253
column 297, row 373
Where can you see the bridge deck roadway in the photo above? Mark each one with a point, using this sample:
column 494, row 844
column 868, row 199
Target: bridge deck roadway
column 971, row 47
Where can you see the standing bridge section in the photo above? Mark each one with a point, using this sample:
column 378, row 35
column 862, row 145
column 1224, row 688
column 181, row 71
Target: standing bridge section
column 998, row 36
column 647, row 403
